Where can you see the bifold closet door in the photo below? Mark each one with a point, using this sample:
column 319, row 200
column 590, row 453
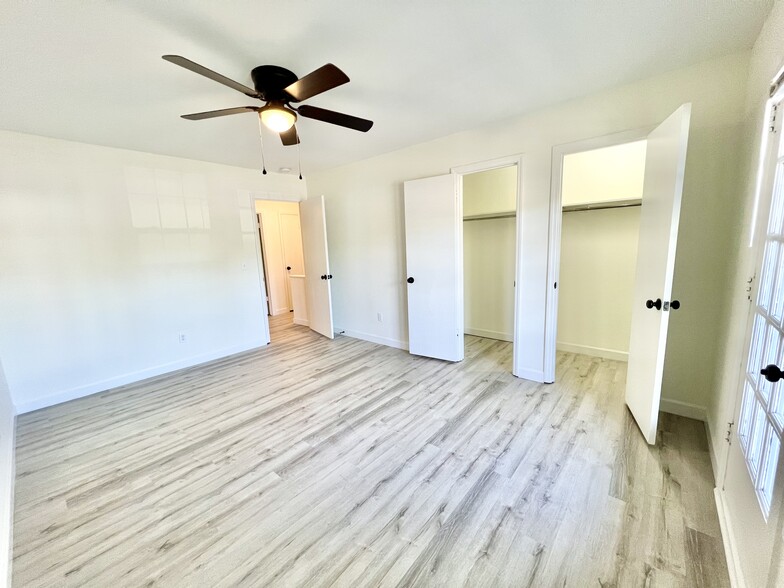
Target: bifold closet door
column 434, row 267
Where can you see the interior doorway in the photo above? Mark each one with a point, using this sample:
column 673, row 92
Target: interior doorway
column 601, row 199
column 282, row 263
column 489, row 243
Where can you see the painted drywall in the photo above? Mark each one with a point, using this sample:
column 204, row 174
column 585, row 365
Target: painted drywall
column 283, row 248
column 108, row 256
column 7, row 444
column 490, row 192
column 489, row 253
column 596, row 281
column 604, row 175
column 365, row 205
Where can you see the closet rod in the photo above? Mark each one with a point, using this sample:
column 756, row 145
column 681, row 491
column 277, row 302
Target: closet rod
column 603, row 205
column 474, row 217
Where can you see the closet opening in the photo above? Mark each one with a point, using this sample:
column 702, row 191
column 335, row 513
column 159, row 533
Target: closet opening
column 489, row 245
column 282, row 264
column 601, row 196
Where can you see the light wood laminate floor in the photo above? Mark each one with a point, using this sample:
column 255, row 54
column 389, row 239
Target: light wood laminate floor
column 343, row 463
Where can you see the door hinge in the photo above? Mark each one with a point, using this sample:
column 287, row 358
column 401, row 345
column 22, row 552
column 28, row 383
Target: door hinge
column 728, row 438
column 773, row 112
column 749, row 283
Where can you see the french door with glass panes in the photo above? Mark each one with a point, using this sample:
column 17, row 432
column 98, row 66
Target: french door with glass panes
column 751, row 493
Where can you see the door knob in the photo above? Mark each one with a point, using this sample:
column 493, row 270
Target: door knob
column 675, row 304
column 652, row 304
column 324, row 277
column 329, row 276
column 410, row 280
column 288, row 267
column 772, row 373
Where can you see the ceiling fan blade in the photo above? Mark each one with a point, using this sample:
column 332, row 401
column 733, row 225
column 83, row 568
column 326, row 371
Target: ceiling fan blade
column 290, row 137
column 224, row 112
column 324, row 78
column 335, row 118
column 208, row 73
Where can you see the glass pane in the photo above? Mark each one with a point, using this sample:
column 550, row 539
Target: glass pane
column 770, row 356
column 756, row 441
column 755, row 348
column 768, row 472
column 746, row 411
column 767, row 270
column 778, row 292
column 776, row 204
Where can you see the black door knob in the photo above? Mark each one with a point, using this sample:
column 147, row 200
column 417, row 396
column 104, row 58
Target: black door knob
column 329, row 276
column 772, row 373
column 410, row 280
column 288, row 267
column 675, row 304
column 652, row 304
column 324, row 277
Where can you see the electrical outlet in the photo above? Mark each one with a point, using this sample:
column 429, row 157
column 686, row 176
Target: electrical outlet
column 380, row 317
column 182, row 337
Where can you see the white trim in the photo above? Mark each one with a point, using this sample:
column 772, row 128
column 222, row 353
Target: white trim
column 728, row 539
column 712, row 452
column 554, row 237
column 280, row 311
column 7, row 492
column 684, row 409
column 510, row 160
column 373, row 338
column 490, row 334
column 613, row 354
column 130, row 378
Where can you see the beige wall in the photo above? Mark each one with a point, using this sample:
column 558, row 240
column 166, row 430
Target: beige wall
column 602, row 175
column 596, row 282
column 489, row 253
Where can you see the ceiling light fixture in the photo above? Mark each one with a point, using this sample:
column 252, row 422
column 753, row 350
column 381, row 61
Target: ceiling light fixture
column 277, row 117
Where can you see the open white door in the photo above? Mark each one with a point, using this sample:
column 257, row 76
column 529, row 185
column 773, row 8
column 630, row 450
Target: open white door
column 434, row 266
column 665, row 164
column 317, row 276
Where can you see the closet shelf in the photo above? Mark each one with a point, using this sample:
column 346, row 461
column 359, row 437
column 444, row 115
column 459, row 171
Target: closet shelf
column 473, row 217
column 603, row 205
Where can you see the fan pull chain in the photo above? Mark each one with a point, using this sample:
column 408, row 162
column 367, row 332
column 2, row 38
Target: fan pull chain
column 261, row 140
column 299, row 157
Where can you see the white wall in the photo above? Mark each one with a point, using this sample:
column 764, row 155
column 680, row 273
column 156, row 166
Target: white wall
column 365, row 204
column 277, row 258
column 7, row 444
column 109, row 255
column 604, row 175
column 596, row 282
column 489, row 253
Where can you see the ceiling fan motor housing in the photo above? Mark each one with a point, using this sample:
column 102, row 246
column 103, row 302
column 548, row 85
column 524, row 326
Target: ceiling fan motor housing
column 270, row 81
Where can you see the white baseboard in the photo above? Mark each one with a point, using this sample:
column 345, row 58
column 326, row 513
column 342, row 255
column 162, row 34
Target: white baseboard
column 489, row 334
column 7, row 508
column 303, row 322
column 108, row 384
column 728, row 539
column 684, row 409
column 373, row 338
column 280, row 311
column 593, row 351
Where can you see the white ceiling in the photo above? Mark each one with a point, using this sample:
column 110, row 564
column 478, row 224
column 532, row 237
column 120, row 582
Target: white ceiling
column 92, row 71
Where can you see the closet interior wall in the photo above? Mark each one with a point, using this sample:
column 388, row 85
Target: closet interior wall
column 489, row 233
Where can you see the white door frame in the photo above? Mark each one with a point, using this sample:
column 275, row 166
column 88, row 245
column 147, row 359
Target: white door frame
column 259, row 261
column 554, row 237
column 488, row 165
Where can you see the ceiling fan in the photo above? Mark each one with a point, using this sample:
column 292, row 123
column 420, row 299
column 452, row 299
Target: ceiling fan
column 278, row 88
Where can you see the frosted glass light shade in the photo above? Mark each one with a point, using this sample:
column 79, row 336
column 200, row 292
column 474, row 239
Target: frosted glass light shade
column 277, row 118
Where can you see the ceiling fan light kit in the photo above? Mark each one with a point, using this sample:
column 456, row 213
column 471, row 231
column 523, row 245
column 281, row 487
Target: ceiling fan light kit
column 278, row 87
